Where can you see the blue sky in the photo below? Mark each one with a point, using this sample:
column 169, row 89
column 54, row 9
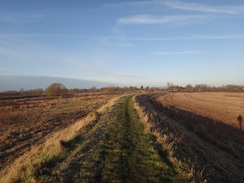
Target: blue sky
column 124, row 42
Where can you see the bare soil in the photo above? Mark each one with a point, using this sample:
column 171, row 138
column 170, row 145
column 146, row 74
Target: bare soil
column 24, row 122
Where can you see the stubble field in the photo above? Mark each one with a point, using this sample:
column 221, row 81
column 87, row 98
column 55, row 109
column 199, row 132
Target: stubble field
column 203, row 130
column 224, row 107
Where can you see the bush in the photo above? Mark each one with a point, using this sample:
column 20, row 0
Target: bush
column 56, row 89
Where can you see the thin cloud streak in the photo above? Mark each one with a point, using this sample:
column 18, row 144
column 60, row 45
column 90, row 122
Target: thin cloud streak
column 174, row 4
column 20, row 18
column 131, row 4
column 176, row 53
column 40, row 35
column 149, row 19
column 203, row 8
column 12, row 53
column 238, row 36
column 194, row 37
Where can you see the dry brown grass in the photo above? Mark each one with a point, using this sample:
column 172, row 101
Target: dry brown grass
column 211, row 151
column 23, row 167
column 150, row 119
column 6, row 116
column 24, row 122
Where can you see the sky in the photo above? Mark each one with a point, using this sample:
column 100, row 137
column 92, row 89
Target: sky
column 132, row 43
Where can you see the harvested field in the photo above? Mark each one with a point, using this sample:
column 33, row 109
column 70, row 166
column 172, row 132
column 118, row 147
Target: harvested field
column 26, row 121
column 224, row 107
column 212, row 149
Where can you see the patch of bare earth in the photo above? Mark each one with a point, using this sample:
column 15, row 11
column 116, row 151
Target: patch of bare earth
column 24, row 122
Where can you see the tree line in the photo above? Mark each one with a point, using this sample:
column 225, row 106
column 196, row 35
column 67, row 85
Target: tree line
column 205, row 88
column 58, row 89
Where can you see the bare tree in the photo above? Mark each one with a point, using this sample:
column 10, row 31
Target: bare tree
column 189, row 87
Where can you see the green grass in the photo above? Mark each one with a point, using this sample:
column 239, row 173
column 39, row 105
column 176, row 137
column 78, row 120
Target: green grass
column 114, row 148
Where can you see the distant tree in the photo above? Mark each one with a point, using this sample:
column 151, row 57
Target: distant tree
column 202, row 87
column 189, row 87
column 22, row 91
column 56, row 89
column 93, row 89
column 170, row 86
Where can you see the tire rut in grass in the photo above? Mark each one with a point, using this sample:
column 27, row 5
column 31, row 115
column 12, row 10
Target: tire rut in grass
column 114, row 148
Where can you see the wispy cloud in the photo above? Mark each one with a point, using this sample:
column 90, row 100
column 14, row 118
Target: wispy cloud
column 11, row 53
column 193, row 37
column 234, row 36
column 43, row 35
column 174, row 4
column 20, row 18
column 131, row 4
column 189, row 52
column 202, row 7
column 149, row 19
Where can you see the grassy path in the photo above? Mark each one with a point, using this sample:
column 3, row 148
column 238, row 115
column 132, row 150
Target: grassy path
column 114, row 148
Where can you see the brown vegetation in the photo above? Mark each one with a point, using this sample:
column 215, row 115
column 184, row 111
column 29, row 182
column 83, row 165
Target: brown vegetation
column 211, row 150
column 25, row 166
column 56, row 89
column 24, row 122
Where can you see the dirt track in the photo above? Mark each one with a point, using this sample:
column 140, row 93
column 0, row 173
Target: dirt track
column 223, row 107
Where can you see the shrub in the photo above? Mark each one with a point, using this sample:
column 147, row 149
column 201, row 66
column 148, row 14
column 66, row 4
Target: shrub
column 56, row 89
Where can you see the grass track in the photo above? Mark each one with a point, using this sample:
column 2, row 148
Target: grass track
column 114, row 148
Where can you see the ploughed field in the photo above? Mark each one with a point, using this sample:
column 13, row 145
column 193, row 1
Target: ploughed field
column 26, row 121
column 224, row 107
